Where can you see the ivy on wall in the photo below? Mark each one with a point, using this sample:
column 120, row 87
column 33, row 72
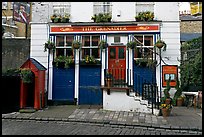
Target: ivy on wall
column 191, row 66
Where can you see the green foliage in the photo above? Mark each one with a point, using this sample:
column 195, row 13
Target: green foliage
column 11, row 72
column 66, row 60
column 145, row 16
column 102, row 17
column 145, row 62
column 103, row 44
column 26, row 75
column 132, row 44
column 166, row 90
column 191, row 68
column 76, row 44
column 49, row 45
column 178, row 92
column 162, row 43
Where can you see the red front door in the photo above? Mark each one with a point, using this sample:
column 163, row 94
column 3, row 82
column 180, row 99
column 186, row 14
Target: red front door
column 117, row 62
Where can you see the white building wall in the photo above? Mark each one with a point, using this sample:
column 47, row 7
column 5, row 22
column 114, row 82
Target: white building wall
column 166, row 11
column 123, row 11
column 81, row 11
column 39, row 35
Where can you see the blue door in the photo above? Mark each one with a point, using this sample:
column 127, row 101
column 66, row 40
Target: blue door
column 89, row 85
column 63, row 84
column 141, row 76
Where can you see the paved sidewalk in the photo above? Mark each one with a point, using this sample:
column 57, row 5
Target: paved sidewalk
column 181, row 118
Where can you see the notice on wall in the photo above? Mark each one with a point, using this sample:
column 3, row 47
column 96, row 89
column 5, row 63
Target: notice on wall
column 169, row 71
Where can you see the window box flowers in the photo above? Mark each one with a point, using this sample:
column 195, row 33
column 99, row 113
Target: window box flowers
column 145, row 16
column 90, row 60
column 102, row 17
column 63, row 61
column 60, row 19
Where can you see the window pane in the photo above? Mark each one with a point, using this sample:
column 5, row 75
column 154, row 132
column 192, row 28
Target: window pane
column 95, row 40
column 112, row 53
column 121, row 54
column 95, row 52
column 148, row 52
column 69, row 40
column 86, row 41
column 60, row 41
column 69, row 52
column 116, row 39
column 85, row 52
column 59, row 52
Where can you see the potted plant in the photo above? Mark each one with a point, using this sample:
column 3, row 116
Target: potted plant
column 160, row 43
column 49, row 45
column 109, row 79
column 53, row 17
column 145, row 16
column 76, row 44
column 132, row 44
column 166, row 92
column 26, row 75
column 103, row 44
column 178, row 99
column 165, row 109
column 65, row 18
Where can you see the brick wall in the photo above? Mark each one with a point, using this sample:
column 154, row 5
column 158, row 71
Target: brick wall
column 14, row 52
column 191, row 27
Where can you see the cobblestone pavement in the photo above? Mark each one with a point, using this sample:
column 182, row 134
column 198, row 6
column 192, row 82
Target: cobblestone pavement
column 181, row 118
column 32, row 127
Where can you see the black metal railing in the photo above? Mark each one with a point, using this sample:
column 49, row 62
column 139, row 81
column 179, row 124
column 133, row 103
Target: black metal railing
column 146, row 89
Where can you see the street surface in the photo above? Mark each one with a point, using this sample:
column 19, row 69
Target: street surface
column 32, row 127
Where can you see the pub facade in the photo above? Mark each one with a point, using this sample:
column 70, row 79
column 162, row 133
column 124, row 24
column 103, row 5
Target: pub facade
column 113, row 75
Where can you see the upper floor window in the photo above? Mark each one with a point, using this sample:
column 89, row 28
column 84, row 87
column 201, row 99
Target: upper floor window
column 60, row 8
column 102, row 7
column 4, row 5
column 144, row 6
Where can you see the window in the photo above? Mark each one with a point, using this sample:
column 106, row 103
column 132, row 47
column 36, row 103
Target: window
column 4, row 5
column 144, row 6
column 8, row 20
column 11, row 5
column 102, row 7
column 90, row 46
column 64, row 45
column 116, row 39
column 60, row 8
column 147, row 49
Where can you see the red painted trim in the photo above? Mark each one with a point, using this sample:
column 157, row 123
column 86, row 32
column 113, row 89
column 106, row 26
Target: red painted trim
column 103, row 28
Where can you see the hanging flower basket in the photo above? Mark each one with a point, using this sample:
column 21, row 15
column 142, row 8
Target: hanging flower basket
column 103, row 44
column 161, row 44
column 76, row 45
column 132, row 44
column 49, row 45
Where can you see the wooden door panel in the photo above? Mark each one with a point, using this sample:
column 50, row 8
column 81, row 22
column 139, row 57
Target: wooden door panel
column 117, row 62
